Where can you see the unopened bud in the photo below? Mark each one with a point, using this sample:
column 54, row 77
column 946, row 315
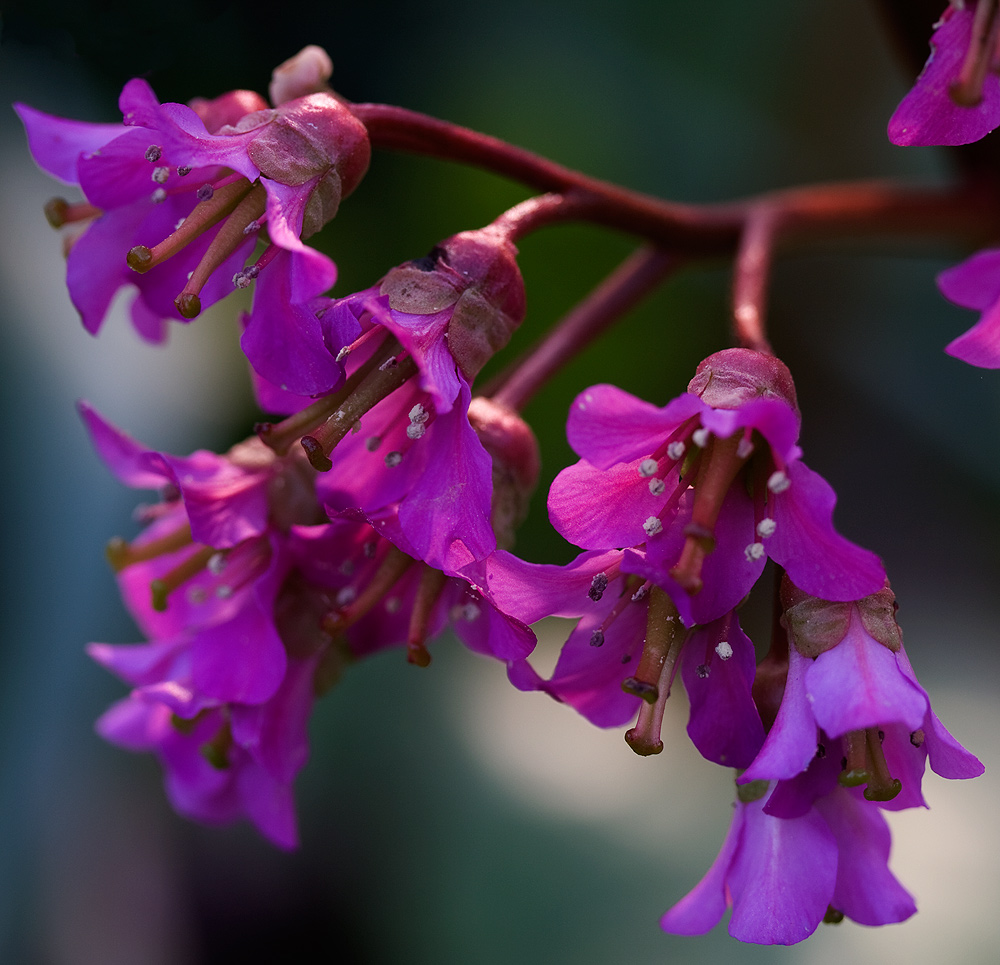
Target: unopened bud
column 735, row 376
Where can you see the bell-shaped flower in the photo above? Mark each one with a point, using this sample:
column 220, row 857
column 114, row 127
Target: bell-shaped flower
column 707, row 487
column 782, row 876
column 848, row 678
column 181, row 195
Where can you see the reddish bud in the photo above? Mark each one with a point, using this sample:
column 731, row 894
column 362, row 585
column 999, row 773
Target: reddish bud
column 734, row 376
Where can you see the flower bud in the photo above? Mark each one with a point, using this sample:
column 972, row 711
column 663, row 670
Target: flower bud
column 516, row 463
column 305, row 73
column 735, row 376
column 228, row 109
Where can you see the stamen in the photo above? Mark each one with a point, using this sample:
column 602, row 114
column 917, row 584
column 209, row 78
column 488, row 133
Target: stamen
column 778, row 481
column 393, row 459
column 745, row 449
column 676, row 450
column 648, row 467
column 205, row 215
column 58, row 211
column 432, row 584
column 657, row 487
column 766, row 527
column 917, row 738
column 160, row 175
column 754, row 551
column 700, row 437
column 597, row 638
column 597, row 587
column 724, row 649
column 662, row 637
column 153, row 153
column 833, row 916
column 121, row 554
column 652, row 527
column 228, row 239
column 160, row 589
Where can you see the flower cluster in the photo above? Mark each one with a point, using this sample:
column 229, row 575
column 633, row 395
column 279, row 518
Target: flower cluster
column 380, row 507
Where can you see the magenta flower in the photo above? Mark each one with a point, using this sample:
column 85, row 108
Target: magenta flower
column 956, row 99
column 618, row 661
column 186, row 192
column 402, row 433
column 782, row 876
column 849, row 677
column 976, row 284
column 712, row 484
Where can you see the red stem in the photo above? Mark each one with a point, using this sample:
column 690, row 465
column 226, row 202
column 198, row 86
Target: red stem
column 751, row 274
column 632, row 281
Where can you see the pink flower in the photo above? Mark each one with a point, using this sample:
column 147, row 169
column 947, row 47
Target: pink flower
column 184, row 192
column 956, row 99
column 706, row 488
column 782, row 876
column 976, row 284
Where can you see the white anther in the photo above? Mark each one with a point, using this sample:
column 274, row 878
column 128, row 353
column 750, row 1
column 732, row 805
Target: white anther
column 223, row 592
column 345, row 596
column 418, row 414
column 216, row 564
column 179, row 223
column 700, row 437
column 467, row 612
column 676, row 450
column 652, row 526
column 389, row 363
column 160, row 175
column 778, row 481
column 393, row 459
column 745, row 447
column 754, row 551
column 415, row 430
column 648, row 467
column 657, row 487
column 766, row 527
column 158, row 196
column 641, row 593
column 723, row 649
column 251, row 228
column 343, row 353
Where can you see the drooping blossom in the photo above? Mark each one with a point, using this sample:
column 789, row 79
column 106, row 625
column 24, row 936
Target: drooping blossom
column 704, row 490
column 181, row 195
column 621, row 658
column 783, row 875
column 849, row 678
column 402, row 425
column 956, row 98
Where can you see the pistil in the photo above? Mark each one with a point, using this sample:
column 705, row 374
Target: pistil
column 432, row 584
column 59, row 211
column 980, row 56
column 180, row 574
column 392, row 567
column 662, row 644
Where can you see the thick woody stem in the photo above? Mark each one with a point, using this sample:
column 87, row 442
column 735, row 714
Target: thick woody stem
column 624, row 288
column 816, row 212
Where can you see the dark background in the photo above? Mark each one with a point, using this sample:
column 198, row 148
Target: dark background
column 444, row 817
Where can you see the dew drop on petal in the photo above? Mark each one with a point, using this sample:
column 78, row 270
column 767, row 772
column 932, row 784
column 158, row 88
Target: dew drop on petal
column 724, row 650
column 657, row 486
column 648, row 467
column 754, row 551
column 652, row 526
column 778, row 481
column 766, row 527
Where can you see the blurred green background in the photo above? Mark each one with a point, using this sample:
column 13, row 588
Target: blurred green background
column 446, row 818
